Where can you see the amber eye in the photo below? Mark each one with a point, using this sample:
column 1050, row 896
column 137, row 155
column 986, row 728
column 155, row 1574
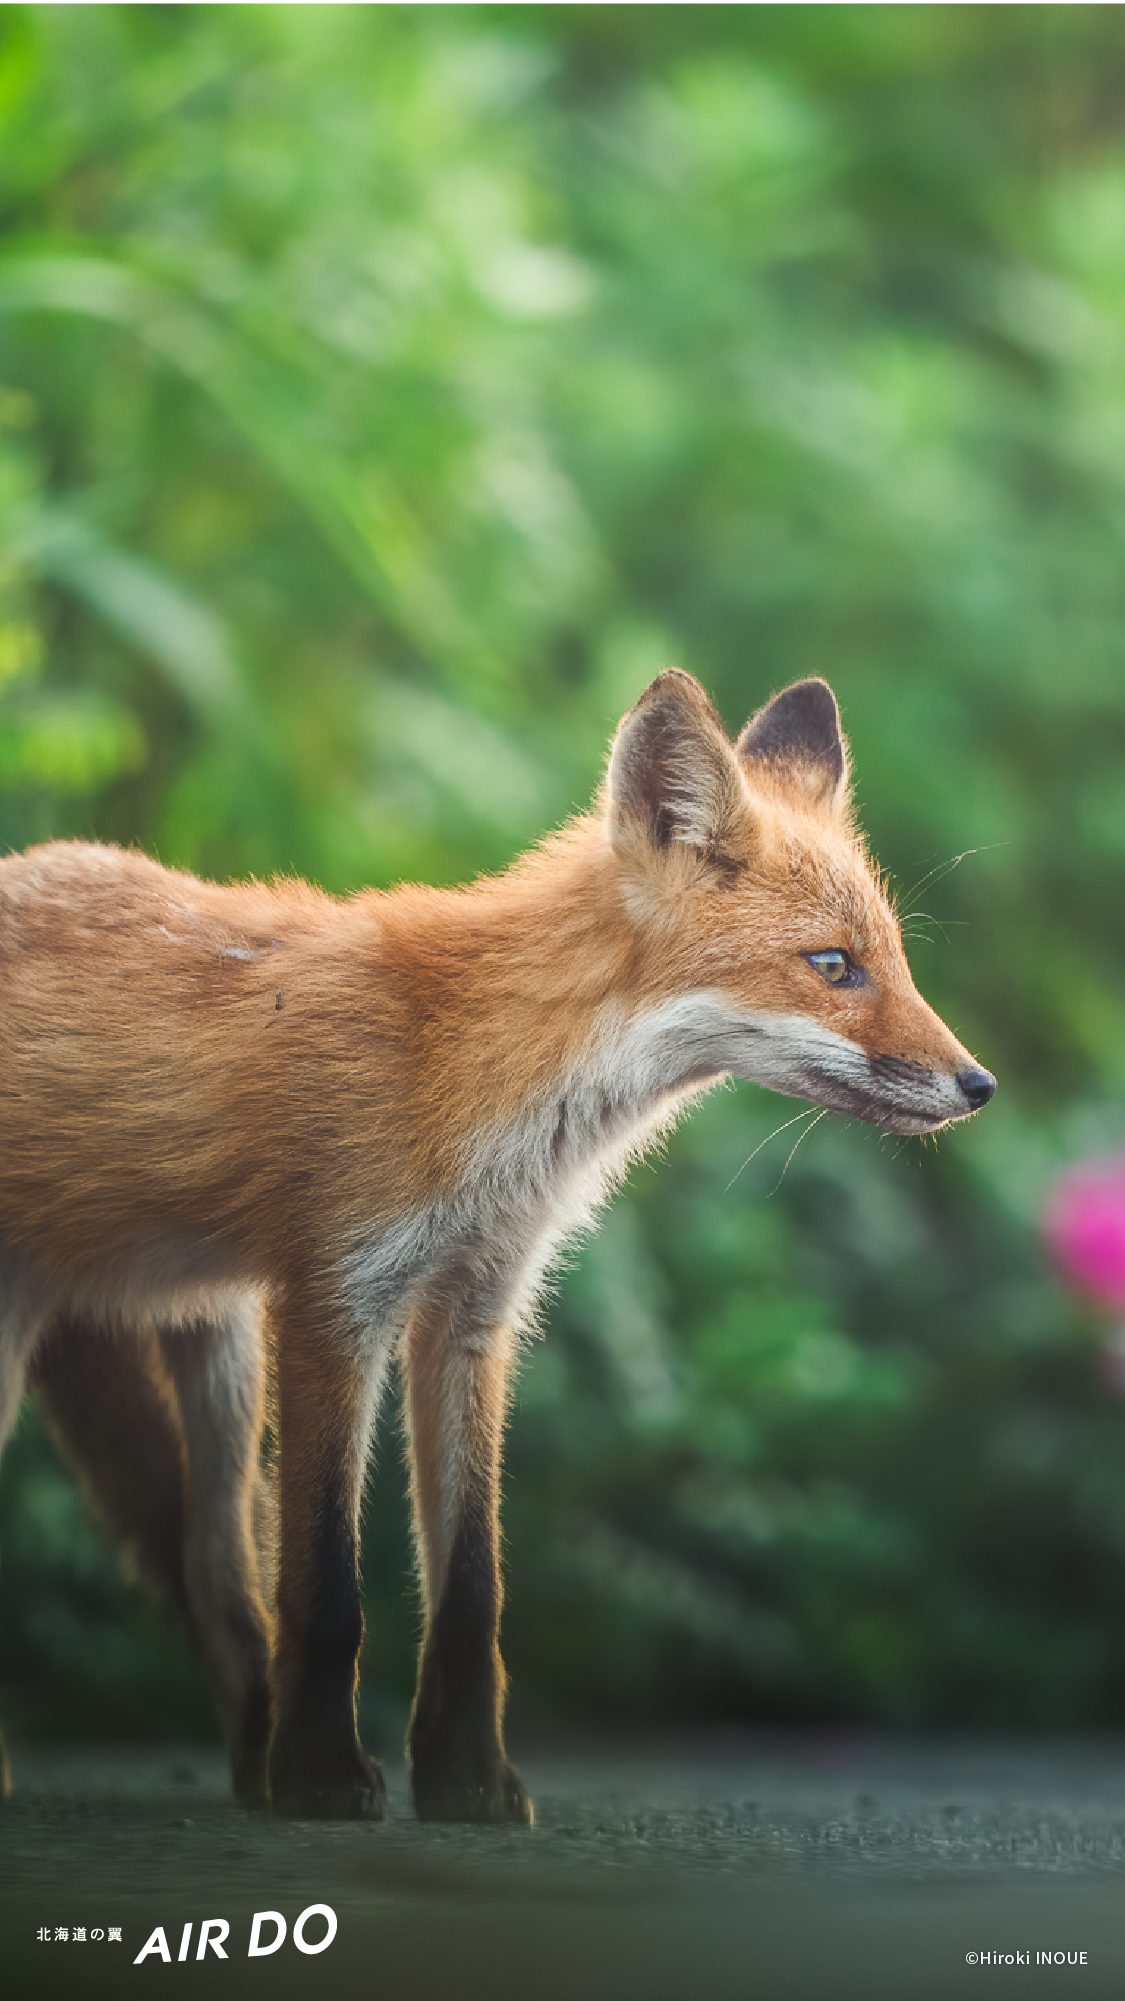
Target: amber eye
column 836, row 968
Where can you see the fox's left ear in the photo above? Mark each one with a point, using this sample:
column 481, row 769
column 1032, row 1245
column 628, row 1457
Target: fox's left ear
column 796, row 740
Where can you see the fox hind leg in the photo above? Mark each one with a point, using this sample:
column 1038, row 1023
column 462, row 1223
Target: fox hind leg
column 218, row 1372
column 164, row 1432
column 456, row 1396
column 24, row 1313
column 110, row 1405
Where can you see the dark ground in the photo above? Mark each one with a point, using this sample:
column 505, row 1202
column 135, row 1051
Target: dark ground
column 735, row 1867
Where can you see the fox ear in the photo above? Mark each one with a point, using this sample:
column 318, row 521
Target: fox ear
column 797, row 739
column 671, row 770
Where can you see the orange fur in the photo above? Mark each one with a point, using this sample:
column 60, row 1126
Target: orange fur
column 372, row 1121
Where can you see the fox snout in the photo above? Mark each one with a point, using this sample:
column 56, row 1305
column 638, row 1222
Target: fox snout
column 897, row 1094
column 924, row 1096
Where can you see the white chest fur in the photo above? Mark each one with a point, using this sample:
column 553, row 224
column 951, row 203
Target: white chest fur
column 526, row 1186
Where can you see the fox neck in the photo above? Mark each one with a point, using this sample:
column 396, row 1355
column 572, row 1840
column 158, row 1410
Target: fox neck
column 553, row 1043
column 540, row 1065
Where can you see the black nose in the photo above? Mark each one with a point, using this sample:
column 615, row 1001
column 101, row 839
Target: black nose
column 977, row 1086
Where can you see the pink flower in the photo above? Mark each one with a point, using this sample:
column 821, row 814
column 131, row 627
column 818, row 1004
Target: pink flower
column 1084, row 1228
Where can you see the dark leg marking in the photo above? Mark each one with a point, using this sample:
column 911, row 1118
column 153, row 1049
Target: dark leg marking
column 455, row 1402
column 318, row 1768
column 457, row 1759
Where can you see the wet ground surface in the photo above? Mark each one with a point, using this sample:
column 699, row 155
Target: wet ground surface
column 737, row 1867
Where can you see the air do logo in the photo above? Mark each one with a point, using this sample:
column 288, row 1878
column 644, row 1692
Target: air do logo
column 268, row 1932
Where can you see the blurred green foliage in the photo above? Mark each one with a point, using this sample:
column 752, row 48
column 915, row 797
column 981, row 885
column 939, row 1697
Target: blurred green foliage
column 385, row 395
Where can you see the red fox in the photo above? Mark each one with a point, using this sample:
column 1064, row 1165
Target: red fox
column 253, row 1134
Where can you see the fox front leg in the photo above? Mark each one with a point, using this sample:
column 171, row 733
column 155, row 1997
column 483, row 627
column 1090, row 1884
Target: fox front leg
column 326, row 1404
column 456, row 1394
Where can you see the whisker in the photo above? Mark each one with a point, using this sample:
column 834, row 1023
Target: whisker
column 937, row 874
column 822, row 1114
column 808, row 1113
column 910, row 927
column 946, row 868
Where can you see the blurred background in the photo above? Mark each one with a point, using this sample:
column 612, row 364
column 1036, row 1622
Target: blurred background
column 386, row 394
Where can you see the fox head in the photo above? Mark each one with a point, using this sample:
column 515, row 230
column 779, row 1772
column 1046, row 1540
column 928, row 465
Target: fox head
column 759, row 914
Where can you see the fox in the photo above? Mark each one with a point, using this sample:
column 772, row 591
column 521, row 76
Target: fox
column 259, row 1144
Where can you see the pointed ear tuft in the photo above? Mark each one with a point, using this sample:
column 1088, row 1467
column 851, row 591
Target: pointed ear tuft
column 796, row 739
column 671, row 770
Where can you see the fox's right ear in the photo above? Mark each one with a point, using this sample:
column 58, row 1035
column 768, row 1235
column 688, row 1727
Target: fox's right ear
column 672, row 772
column 796, row 740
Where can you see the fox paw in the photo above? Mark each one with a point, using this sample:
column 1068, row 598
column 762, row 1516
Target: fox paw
column 250, row 1780
column 304, row 1790
column 492, row 1795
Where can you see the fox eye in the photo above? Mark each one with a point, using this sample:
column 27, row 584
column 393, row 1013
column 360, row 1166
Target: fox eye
column 836, row 968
